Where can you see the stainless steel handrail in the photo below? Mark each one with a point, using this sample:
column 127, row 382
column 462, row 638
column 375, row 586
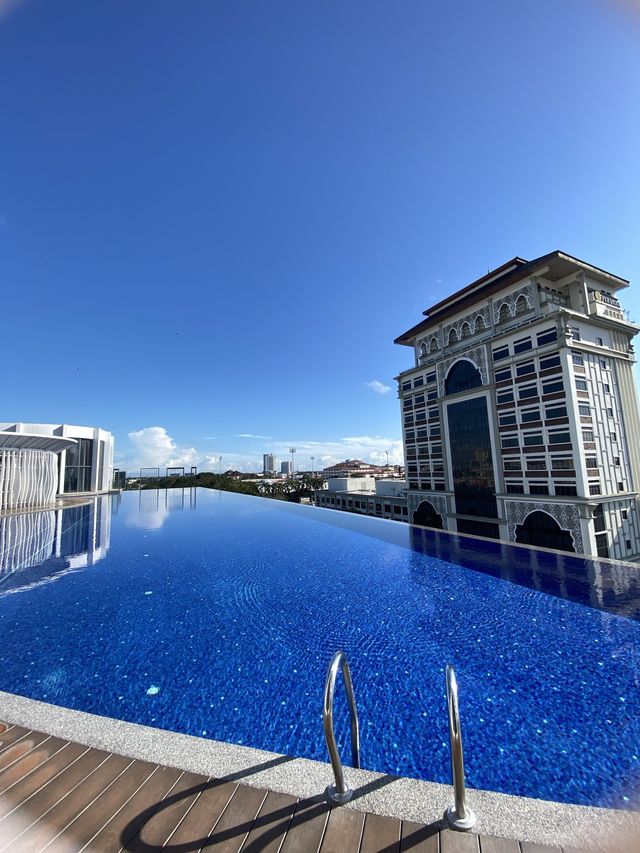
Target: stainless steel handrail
column 340, row 792
column 458, row 814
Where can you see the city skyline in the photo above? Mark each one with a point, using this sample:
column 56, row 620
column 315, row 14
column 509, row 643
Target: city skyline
column 239, row 210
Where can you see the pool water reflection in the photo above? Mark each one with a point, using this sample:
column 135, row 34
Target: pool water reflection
column 216, row 614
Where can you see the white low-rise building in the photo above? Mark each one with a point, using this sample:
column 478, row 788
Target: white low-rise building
column 365, row 495
column 41, row 461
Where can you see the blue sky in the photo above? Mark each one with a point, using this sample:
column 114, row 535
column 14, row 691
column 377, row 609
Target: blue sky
column 215, row 217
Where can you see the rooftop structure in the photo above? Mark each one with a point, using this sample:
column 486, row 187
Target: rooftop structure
column 353, row 467
column 84, row 460
column 366, row 496
column 520, row 410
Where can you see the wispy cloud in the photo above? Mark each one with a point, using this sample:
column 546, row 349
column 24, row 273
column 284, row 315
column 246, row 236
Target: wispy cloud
column 208, row 437
column 369, row 448
column 378, row 387
column 7, row 5
column 251, row 435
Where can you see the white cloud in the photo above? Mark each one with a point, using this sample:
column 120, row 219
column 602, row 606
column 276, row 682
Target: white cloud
column 153, row 447
column 250, row 435
column 378, row 387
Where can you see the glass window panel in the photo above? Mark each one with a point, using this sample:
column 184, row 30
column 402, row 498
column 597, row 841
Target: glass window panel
column 547, row 363
column 522, row 345
column 463, row 376
column 471, row 459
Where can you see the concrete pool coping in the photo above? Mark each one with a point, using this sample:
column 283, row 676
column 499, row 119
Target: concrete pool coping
column 502, row 815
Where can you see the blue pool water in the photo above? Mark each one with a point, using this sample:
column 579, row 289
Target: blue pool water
column 216, row 614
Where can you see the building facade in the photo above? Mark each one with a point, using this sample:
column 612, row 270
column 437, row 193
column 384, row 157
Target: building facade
column 286, row 468
column 29, row 469
column 84, row 463
column 520, row 413
column 366, row 496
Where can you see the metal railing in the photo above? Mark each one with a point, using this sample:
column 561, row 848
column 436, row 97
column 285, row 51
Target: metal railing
column 459, row 815
column 340, row 792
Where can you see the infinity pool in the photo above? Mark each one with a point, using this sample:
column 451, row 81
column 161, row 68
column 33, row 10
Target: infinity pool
column 216, row 614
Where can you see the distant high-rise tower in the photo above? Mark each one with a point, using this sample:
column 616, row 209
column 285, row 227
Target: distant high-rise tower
column 269, row 463
column 286, row 468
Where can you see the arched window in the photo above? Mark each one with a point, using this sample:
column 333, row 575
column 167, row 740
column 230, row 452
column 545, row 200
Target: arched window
column 462, row 376
column 466, row 330
column 503, row 313
column 433, row 344
column 540, row 529
column 452, row 337
column 427, row 516
column 423, row 350
column 480, row 324
column 522, row 306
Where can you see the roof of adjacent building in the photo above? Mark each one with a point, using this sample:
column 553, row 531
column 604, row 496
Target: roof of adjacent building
column 553, row 266
column 32, row 441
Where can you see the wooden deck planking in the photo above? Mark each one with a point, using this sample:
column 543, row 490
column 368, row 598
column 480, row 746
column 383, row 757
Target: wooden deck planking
column 529, row 847
column 111, row 799
column 343, row 831
column 271, row 825
column 62, row 797
column 418, row 838
column 51, row 824
column 380, row 833
column 499, row 845
column 10, row 735
column 203, row 816
column 52, row 761
column 236, row 822
column 127, row 822
column 307, row 826
column 50, row 794
column 17, row 751
column 156, row 831
column 458, row 842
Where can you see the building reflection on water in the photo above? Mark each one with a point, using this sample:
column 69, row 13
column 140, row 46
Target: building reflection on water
column 602, row 584
column 38, row 547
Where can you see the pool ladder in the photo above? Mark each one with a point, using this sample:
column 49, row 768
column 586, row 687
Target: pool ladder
column 340, row 792
column 458, row 814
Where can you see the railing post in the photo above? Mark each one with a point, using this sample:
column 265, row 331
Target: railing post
column 458, row 815
column 340, row 792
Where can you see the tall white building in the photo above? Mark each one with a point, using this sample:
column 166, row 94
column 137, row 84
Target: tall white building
column 269, row 463
column 520, row 414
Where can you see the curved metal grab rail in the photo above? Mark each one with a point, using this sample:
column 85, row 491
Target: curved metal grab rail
column 340, row 792
column 458, row 814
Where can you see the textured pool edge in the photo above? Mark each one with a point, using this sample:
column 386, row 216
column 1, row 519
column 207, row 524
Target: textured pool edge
column 503, row 815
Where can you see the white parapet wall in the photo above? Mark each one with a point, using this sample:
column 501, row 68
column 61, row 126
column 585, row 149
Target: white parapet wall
column 29, row 470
